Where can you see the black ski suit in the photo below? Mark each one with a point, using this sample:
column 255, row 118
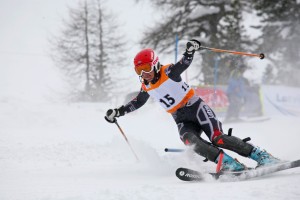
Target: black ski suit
column 193, row 118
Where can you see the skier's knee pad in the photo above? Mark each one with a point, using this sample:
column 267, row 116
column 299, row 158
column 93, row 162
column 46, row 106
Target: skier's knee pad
column 234, row 144
column 202, row 147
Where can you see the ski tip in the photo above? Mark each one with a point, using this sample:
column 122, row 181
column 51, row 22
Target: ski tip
column 185, row 174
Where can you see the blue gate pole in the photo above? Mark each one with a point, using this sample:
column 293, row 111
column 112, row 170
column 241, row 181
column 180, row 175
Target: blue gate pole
column 216, row 66
column 176, row 47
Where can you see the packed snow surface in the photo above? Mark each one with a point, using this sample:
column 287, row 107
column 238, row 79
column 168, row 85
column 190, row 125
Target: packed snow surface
column 65, row 151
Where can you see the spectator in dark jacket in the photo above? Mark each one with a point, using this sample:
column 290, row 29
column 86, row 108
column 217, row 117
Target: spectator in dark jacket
column 236, row 93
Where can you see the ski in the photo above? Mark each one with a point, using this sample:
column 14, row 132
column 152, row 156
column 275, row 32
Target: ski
column 186, row 174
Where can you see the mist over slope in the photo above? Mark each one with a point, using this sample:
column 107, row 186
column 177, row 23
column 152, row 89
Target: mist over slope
column 54, row 149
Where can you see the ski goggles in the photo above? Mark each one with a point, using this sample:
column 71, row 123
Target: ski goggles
column 143, row 68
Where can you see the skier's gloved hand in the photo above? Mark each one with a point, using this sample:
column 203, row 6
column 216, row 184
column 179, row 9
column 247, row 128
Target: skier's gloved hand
column 192, row 46
column 111, row 114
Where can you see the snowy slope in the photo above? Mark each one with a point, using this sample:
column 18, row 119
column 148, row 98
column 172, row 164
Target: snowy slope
column 69, row 152
column 52, row 150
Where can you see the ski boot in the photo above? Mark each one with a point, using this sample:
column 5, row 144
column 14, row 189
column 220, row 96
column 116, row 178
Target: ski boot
column 229, row 164
column 262, row 157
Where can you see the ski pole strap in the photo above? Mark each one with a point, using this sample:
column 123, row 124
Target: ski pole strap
column 173, row 150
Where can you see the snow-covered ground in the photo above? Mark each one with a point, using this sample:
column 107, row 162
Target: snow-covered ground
column 69, row 152
column 52, row 150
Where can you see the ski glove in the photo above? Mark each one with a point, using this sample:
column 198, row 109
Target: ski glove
column 111, row 114
column 192, row 46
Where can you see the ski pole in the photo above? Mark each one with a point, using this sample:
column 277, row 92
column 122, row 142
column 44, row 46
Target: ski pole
column 261, row 55
column 122, row 132
column 173, row 150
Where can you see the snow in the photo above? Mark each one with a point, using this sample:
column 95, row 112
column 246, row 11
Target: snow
column 67, row 151
column 51, row 149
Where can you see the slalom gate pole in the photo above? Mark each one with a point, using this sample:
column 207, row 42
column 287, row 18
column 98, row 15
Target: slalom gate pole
column 173, row 150
column 122, row 132
column 261, row 55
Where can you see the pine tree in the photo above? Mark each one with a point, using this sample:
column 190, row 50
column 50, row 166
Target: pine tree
column 280, row 37
column 215, row 23
column 84, row 48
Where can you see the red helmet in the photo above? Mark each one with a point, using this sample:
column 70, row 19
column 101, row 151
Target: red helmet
column 146, row 57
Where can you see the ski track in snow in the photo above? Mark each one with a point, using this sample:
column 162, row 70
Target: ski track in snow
column 69, row 152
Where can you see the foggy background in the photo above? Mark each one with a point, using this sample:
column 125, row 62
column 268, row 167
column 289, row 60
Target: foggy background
column 54, row 141
column 35, row 34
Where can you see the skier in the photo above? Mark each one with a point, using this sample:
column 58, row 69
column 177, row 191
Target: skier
column 236, row 92
column 191, row 114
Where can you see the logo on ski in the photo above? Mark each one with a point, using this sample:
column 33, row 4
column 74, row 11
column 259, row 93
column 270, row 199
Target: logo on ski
column 186, row 174
column 182, row 173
